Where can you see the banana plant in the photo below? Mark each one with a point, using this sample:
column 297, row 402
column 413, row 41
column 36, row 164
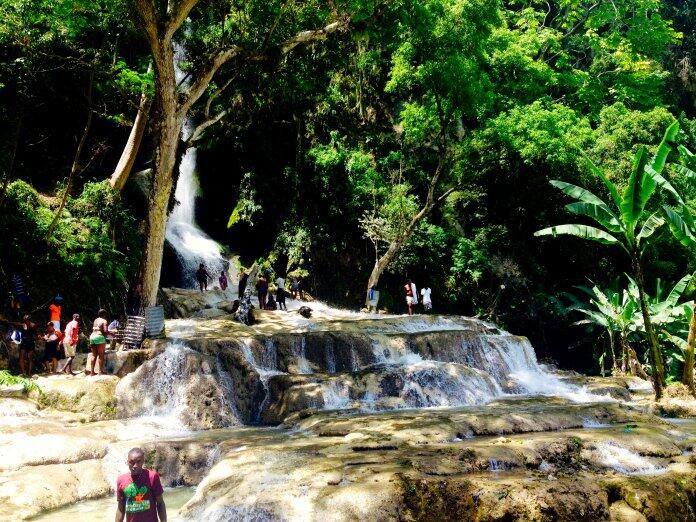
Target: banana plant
column 671, row 319
column 613, row 311
column 682, row 223
column 625, row 223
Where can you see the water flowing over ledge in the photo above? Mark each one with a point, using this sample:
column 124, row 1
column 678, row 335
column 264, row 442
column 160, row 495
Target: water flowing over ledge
column 216, row 373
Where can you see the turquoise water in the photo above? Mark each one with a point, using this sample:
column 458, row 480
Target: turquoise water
column 104, row 509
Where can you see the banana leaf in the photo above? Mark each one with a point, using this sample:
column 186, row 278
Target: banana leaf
column 600, row 213
column 679, row 226
column 665, row 147
column 582, row 231
column 638, row 190
column 578, row 193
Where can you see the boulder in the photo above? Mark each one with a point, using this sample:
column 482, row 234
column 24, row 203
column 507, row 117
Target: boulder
column 186, row 302
column 93, row 397
column 190, row 388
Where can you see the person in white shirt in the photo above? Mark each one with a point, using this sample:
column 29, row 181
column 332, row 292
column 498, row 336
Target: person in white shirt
column 425, row 299
column 280, row 294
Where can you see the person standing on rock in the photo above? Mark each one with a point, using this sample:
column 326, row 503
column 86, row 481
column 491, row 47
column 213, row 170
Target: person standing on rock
column 295, row 287
column 425, row 298
column 411, row 299
column 27, row 346
column 223, row 280
column 139, row 492
column 242, row 284
column 54, row 310
column 280, row 293
column 262, row 290
column 202, row 277
column 97, row 342
column 51, row 339
column 72, row 334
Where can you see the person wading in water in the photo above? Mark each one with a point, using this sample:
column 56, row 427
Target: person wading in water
column 202, row 277
column 139, row 492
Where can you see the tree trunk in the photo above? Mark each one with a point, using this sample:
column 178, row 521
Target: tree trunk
column 688, row 376
column 167, row 131
column 635, row 368
column 130, row 151
column 658, row 370
column 614, row 367
column 383, row 262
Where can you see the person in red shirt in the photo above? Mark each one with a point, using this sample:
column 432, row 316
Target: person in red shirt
column 54, row 309
column 139, row 493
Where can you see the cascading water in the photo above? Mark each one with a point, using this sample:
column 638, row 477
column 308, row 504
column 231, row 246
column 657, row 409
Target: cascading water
column 265, row 366
column 624, row 461
column 166, row 389
column 449, row 362
column 191, row 244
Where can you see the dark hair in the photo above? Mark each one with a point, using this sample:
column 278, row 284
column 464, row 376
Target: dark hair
column 102, row 313
column 26, row 317
column 136, row 451
column 75, row 317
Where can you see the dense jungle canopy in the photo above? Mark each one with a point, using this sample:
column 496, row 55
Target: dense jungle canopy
column 330, row 132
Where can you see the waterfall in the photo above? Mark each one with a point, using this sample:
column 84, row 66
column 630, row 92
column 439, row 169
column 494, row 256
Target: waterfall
column 179, row 388
column 624, row 461
column 191, row 244
column 266, row 367
column 300, row 353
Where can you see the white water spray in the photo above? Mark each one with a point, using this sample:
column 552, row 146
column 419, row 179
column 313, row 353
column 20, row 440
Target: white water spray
column 191, row 244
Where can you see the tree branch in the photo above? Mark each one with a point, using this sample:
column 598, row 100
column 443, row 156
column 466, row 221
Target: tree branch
column 76, row 162
column 198, row 131
column 314, row 35
column 177, row 16
column 198, row 87
column 215, row 94
column 146, row 17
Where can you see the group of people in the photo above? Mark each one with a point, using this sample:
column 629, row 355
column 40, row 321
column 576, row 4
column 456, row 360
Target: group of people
column 267, row 301
column 412, row 297
column 61, row 343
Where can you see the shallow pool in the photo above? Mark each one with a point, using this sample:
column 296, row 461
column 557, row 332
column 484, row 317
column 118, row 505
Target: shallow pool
column 104, row 509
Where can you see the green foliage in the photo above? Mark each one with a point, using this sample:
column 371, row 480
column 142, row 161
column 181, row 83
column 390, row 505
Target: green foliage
column 541, row 132
column 247, row 207
column 7, row 379
column 93, row 246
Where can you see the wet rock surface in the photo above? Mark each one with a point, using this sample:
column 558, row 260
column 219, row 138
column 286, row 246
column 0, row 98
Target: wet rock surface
column 51, row 458
column 511, row 460
column 93, row 397
column 376, row 418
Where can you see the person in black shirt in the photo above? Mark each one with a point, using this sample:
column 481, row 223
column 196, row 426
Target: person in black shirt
column 202, row 277
column 26, row 348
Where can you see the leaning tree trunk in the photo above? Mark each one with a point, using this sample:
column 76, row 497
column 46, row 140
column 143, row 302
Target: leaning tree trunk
column 130, row 151
column 658, row 370
column 614, row 367
column 623, row 345
column 688, row 376
column 167, row 130
column 395, row 246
